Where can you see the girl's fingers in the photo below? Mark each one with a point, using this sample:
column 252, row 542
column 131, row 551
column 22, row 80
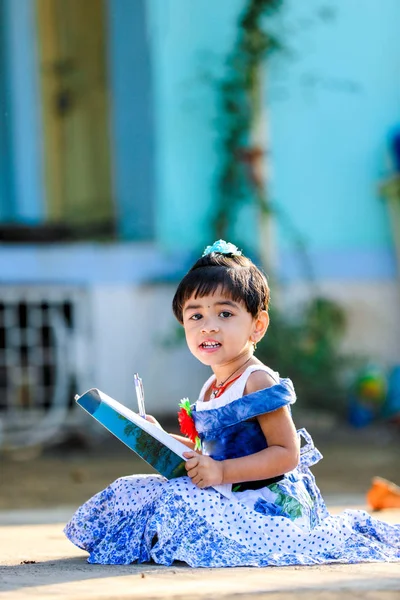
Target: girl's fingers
column 191, row 463
column 195, row 476
column 190, row 454
column 197, row 481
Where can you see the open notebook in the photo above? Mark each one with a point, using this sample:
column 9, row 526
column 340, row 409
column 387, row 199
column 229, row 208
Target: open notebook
column 157, row 447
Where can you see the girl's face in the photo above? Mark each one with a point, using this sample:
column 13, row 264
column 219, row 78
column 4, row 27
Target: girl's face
column 218, row 330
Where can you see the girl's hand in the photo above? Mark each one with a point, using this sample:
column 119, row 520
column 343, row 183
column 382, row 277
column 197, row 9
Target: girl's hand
column 203, row 470
column 151, row 419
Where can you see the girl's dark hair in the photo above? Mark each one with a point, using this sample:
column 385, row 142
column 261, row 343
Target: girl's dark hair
column 237, row 276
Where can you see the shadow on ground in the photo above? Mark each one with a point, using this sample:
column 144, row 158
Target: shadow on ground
column 77, row 568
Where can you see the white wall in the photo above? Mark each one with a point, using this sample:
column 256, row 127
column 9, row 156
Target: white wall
column 130, row 327
column 372, row 310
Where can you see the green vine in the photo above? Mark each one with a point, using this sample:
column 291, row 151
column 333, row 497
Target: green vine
column 240, row 103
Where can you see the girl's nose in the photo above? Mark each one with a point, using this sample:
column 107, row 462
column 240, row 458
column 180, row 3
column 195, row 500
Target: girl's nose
column 209, row 326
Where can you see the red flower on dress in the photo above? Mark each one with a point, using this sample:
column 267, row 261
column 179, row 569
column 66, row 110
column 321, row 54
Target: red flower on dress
column 186, row 423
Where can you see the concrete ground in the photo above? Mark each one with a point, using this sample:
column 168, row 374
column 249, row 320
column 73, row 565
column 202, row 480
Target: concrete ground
column 38, row 562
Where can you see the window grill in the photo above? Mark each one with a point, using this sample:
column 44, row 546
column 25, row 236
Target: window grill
column 41, row 361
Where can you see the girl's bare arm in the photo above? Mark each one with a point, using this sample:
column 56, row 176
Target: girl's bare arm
column 180, row 438
column 183, row 440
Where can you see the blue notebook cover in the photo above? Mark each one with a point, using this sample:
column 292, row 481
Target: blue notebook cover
column 154, row 445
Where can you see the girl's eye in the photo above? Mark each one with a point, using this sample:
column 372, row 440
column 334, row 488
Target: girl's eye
column 225, row 314
column 195, row 317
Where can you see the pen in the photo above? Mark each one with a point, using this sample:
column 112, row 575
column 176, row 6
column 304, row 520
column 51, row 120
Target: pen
column 139, row 394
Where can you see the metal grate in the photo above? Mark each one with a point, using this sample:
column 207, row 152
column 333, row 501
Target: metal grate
column 41, row 354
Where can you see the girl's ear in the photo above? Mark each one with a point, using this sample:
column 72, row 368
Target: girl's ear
column 261, row 323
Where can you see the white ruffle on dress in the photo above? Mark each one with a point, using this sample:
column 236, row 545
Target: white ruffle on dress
column 146, row 517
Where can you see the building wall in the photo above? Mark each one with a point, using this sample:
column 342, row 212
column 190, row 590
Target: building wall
column 189, row 42
column 330, row 106
column 23, row 197
column 371, row 312
column 132, row 117
column 6, row 183
column 333, row 100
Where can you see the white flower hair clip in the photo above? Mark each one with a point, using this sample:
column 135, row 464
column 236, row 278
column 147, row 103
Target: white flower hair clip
column 222, row 247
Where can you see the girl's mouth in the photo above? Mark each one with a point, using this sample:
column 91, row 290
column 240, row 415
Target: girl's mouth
column 210, row 346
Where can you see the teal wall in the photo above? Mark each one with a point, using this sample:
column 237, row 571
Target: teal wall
column 131, row 117
column 332, row 99
column 332, row 103
column 189, row 42
column 6, row 182
column 23, row 197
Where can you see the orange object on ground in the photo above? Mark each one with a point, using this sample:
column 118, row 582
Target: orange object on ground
column 383, row 494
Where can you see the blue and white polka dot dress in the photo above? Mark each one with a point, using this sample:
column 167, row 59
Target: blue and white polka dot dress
column 142, row 517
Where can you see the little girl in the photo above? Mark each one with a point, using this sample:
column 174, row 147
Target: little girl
column 273, row 512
